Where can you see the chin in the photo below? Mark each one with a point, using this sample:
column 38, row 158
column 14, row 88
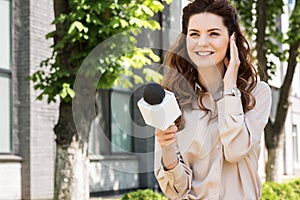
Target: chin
column 202, row 65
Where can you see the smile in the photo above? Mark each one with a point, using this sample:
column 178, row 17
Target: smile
column 204, row 53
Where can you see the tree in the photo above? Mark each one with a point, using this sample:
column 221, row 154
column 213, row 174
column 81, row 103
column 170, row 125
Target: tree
column 260, row 21
column 80, row 25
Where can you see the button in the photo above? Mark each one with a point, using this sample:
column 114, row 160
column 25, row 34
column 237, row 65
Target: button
column 217, row 170
column 218, row 147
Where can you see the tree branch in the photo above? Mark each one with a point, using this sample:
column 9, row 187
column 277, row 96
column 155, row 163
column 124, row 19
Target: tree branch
column 283, row 103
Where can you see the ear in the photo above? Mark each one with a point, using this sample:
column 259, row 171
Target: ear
column 226, row 61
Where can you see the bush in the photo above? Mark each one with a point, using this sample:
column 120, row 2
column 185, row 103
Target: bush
column 146, row 194
column 270, row 191
column 281, row 191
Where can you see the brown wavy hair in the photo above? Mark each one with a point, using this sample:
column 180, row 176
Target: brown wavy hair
column 181, row 74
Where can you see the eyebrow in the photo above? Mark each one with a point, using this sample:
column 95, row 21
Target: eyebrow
column 209, row 30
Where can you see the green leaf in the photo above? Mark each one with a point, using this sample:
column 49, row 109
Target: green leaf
column 152, row 75
column 123, row 23
column 50, row 35
column 147, row 10
column 81, row 29
column 168, row 1
column 63, row 93
column 79, row 26
column 71, row 92
column 66, row 90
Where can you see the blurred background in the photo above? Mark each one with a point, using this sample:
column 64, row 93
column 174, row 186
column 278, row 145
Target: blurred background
column 45, row 154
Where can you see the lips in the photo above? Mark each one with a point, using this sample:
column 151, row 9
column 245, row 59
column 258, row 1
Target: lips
column 204, row 53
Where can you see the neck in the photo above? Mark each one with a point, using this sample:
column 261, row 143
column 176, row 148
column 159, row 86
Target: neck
column 212, row 79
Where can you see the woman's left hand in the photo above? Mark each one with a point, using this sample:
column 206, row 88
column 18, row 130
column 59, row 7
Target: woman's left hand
column 232, row 65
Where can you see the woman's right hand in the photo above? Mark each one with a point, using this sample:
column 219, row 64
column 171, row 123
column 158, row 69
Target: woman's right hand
column 167, row 140
column 166, row 137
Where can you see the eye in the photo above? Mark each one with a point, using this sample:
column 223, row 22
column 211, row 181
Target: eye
column 214, row 34
column 194, row 34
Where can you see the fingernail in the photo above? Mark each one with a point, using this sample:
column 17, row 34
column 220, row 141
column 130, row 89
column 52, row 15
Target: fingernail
column 233, row 36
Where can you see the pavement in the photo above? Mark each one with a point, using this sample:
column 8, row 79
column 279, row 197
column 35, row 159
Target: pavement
column 110, row 197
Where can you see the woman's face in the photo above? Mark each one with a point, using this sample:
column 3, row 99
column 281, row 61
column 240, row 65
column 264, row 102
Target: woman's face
column 207, row 40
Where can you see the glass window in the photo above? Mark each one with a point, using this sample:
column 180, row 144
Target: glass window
column 111, row 130
column 121, row 124
column 5, row 76
column 295, row 143
column 5, row 105
column 5, row 34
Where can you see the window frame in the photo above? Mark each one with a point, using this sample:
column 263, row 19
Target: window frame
column 125, row 92
column 7, row 73
column 107, row 93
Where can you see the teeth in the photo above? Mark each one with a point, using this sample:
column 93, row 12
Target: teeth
column 206, row 53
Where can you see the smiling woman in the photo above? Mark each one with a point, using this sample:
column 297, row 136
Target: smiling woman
column 207, row 40
column 212, row 150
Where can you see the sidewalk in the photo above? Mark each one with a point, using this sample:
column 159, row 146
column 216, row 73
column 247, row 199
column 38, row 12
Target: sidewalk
column 100, row 198
column 106, row 198
column 110, row 197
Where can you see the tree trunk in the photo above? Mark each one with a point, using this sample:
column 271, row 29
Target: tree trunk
column 261, row 24
column 71, row 172
column 275, row 158
column 71, row 166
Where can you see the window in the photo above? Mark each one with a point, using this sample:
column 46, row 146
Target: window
column 5, row 76
column 295, row 143
column 121, row 125
column 111, row 131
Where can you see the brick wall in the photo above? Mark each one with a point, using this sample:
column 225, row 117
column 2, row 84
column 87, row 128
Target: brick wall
column 20, row 67
column 33, row 120
column 43, row 116
column 32, row 175
column 10, row 177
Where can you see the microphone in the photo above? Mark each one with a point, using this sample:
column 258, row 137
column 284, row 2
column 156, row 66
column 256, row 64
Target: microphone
column 158, row 107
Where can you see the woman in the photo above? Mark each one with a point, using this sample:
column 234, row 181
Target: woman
column 212, row 150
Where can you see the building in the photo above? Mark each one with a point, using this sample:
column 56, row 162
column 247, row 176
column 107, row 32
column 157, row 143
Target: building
column 27, row 139
column 121, row 159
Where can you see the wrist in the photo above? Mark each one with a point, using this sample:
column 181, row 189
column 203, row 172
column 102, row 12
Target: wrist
column 169, row 156
column 229, row 84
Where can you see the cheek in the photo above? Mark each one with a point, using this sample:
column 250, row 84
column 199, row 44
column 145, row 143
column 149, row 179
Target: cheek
column 190, row 43
column 224, row 47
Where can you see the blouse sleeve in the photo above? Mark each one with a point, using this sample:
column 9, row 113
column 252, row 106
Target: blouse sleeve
column 239, row 132
column 175, row 183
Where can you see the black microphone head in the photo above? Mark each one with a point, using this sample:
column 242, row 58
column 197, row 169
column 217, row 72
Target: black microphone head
column 153, row 93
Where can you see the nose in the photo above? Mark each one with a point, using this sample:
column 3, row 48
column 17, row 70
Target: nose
column 203, row 40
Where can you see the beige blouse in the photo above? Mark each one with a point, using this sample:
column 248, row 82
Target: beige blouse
column 219, row 156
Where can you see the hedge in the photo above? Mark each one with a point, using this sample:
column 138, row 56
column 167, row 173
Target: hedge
column 270, row 191
column 281, row 191
column 146, row 194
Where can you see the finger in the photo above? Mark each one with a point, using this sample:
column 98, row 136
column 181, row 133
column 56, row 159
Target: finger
column 173, row 128
column 232, row 46
column 166, row 143
column 166, row 137
column 234, row 55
